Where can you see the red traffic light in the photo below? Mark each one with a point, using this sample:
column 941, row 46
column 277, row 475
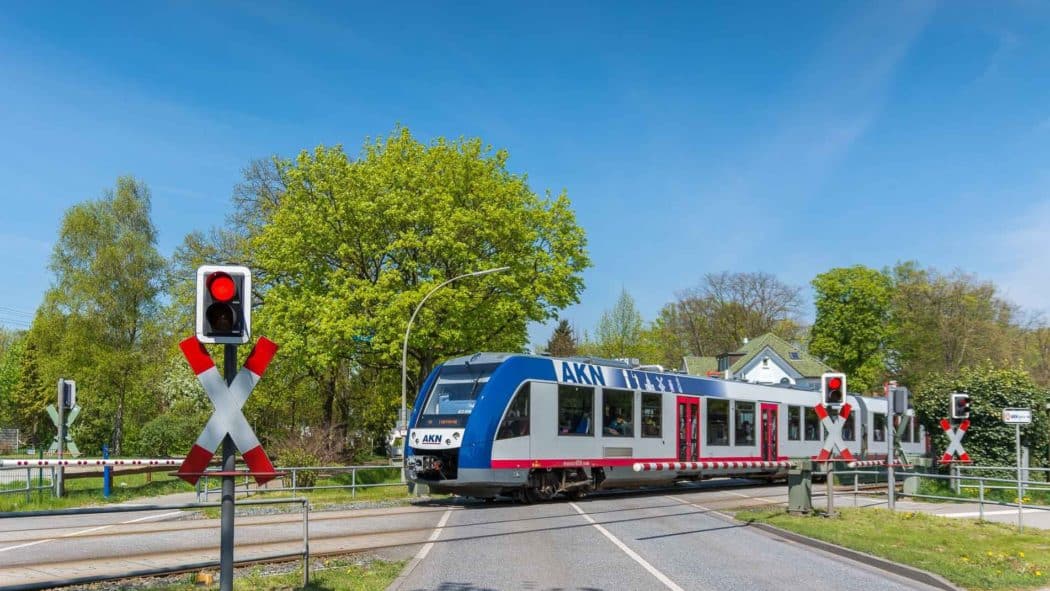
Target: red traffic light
column 834, row 383
column 221, row 286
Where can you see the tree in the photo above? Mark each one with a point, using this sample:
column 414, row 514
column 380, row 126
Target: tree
column 725, row 308
column 95, row 323
column 12, row 349
column 989, row 441
column 943, row 323
column 563, row 341
column 619, row 332
column 852, row 323
column 346, row 249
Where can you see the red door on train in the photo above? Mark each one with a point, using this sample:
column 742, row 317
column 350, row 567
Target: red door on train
column 769, row 432
column 688, row 429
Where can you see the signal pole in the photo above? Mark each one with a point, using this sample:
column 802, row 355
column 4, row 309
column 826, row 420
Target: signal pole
column 229, row 465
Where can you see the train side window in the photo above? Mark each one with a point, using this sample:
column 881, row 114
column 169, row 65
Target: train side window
column 794, row 423
column 575, row 410
column 652, row 415
column 745, row 424
column 617, row 413
column 849, row 432
column 812, row 426
column 516, row 422
column 718, row 422
column 879, row 429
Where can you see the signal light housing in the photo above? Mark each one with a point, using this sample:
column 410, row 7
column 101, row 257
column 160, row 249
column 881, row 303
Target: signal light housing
column 960, row 405
column 833, row 389
column 224, row 307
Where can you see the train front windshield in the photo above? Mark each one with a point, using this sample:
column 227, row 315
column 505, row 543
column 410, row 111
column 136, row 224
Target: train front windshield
column 452, row 397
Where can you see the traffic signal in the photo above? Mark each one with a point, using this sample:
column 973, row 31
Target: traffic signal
column 67, row 393
column 833, row 389
column 960, row 405
column 224, row 307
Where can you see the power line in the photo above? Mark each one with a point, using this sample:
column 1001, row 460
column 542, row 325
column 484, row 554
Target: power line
column 15, row 312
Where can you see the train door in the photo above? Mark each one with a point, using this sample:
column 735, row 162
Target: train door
column 688, row 429
column 769, row 432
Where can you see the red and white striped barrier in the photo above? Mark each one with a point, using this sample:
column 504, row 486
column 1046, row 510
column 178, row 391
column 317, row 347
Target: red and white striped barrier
column 879, row 463
column 89, row 462
column 727, row 465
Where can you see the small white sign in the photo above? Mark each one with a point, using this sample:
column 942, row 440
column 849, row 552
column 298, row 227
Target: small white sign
column 1017, row 416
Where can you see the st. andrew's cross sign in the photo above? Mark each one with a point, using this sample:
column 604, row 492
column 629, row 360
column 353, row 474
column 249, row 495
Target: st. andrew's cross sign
column 228, row 419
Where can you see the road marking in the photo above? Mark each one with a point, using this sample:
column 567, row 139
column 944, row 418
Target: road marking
column 685, row 502
column 89, row 530
column 634, row 556
column 978, row 513
column 433, row 537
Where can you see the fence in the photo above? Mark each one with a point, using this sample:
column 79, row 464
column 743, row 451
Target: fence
column 305, row 554
column 981, row 483
column 20, row 480
column 294, row 481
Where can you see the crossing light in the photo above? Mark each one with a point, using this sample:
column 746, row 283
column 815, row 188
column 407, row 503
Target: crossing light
column 833, row 389
column 68, row 393
column 224, row 307
column 960, row 405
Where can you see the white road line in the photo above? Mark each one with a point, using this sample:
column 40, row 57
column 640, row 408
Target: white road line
column 634, row 556
column 89, row 530
column 433, row 537
column 685, row 502
column 1000, row 512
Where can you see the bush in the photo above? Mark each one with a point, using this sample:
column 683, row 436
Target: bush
column 170, row 434
column 311, row 447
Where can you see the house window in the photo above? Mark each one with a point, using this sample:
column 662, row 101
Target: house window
column 516, row 423
column 813, row 427
column 618, row 413
column 652, row 413
column 575, row 410
column 794, row 355
column 794, row 423
column 745, row 424
column 718, row 422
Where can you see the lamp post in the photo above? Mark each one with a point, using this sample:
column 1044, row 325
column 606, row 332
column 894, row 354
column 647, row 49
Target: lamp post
column 403, row 421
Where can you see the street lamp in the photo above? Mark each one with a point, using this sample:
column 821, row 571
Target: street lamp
column 403, row 423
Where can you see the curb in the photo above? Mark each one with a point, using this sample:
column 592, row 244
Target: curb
column 908, row 572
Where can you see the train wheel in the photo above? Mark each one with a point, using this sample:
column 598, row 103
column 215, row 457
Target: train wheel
column 522, row 496
column 533, row 495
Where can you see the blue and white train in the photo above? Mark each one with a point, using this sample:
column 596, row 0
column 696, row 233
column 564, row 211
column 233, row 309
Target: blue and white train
column 533, row 427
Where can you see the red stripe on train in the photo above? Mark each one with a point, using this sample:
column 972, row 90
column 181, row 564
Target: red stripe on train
column 613, row 462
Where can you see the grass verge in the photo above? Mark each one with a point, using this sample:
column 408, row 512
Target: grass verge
column 972, row 554
column 337, row 575
column 82, row 492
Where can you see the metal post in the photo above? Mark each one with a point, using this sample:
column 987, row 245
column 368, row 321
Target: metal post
column 980, row 499
column 830, row 482
column 107, row 474
column 956, row 473
column 353, row 483
column 891, row 436
column 29, row 483
column 229, row 464
column 306, row 542
column 40, row 475
column 60, row 484
column 293, row 481
column 1020, row 490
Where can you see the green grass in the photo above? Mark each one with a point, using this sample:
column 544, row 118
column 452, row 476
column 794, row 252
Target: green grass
column 81, row 492
column 943, row 488
column 337, row 575
column 969, row 553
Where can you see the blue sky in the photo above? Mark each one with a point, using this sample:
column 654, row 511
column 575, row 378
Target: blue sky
column 692, row 138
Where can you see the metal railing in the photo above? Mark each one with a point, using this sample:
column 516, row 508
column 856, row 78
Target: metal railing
column 960, row 481
column 983, row 484
column 204, row 490
column 14, row 475
column 305, row 553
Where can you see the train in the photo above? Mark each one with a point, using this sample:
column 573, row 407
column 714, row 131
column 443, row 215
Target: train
column 535, row 427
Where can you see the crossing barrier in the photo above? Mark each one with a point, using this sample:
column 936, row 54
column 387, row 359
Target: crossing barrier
column 711, row 465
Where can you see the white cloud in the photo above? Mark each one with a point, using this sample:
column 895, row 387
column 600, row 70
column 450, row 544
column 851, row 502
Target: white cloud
column 1023, row 259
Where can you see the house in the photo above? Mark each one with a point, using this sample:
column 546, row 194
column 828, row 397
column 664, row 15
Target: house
column 768, row 359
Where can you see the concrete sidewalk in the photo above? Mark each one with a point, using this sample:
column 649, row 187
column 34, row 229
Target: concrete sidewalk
column 1035, row 516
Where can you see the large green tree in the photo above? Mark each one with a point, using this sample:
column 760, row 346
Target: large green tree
column 346, row 248
column 852, row 327
column 563, row 340
column 619, row 332
column 96, row 323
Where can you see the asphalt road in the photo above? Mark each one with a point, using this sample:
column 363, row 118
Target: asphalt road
column 644, row 542
column 649, row 540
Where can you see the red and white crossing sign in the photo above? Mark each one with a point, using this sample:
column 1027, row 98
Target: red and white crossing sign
column 833, row 428
column 227, row 418
column 955, row 436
